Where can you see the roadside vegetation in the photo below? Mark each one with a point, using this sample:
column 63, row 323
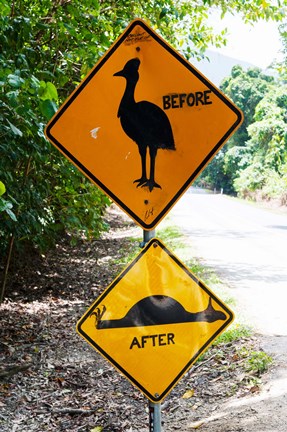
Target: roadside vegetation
column 253, row 164
column 52, row 380
column 48, row 47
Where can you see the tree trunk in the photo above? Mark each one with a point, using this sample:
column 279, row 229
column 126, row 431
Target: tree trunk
column 6, row 269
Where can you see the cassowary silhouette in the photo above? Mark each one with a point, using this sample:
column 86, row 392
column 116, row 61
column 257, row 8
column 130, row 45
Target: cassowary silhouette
column 143, row 122
column 158, row 310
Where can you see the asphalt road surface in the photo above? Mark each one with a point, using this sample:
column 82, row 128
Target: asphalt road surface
column 247, row 247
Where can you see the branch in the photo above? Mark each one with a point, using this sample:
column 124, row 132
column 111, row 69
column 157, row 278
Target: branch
column 14, row 369
column 73, row 410
column 194, row 368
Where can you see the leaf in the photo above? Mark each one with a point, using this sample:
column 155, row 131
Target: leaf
column 11, row 214
column 12, row 97
column 14, row 129
column 48, row 91
column 163, row 13
column 97, row 429
column 5, row 205
column 48, row 108
column 15, row 80
column 2, row 188
column 188, row 394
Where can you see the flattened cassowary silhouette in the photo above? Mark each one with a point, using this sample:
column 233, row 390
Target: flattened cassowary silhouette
column 158, row 310
column 143, row 122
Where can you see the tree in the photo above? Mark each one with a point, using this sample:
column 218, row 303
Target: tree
column 6, row 206
column 267, row 147
column 246, row 89
column 47, row 47
column 266, row 173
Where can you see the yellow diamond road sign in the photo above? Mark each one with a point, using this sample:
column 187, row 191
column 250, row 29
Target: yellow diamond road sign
column 143, row 124
column 154, row 321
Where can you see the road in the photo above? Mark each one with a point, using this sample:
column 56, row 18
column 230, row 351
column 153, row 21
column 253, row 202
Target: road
column 246, row 246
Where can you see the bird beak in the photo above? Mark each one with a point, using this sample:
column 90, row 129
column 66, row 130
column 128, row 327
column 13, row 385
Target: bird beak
column 120, row 73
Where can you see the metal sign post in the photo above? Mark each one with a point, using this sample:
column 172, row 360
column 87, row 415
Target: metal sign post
column 154, row 408
column 147, row 236
column 154, row 417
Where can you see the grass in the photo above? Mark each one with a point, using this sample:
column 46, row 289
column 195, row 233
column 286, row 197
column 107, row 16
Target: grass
column 256, row 362
column 234, row 333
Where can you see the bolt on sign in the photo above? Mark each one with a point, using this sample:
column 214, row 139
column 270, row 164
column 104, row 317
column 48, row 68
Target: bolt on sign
column 154, row 321
column 143, row 124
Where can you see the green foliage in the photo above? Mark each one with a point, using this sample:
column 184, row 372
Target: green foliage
column 172, row 237
column 267, row 148
column 252, row 161
column 269, row 131
column 233, row 333
column 246, row 89
column 2, row 188
column 275, row 185
column 33, row 171
column 6, row 206
column 49, row 195
column 214, row 177
column 249, row 180
column 258, row 362
column 282, row 67
column 97, row 429
column 47, row 47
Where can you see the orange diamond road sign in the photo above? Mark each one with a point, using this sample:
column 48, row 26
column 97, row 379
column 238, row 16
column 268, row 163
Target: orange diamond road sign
column 143, row 124
column 154, row 320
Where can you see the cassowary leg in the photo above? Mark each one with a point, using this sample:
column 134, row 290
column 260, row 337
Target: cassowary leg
column 151, row 184
column 141, row 181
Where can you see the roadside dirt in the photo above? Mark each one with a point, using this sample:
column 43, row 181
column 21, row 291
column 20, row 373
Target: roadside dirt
column 52, row 380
